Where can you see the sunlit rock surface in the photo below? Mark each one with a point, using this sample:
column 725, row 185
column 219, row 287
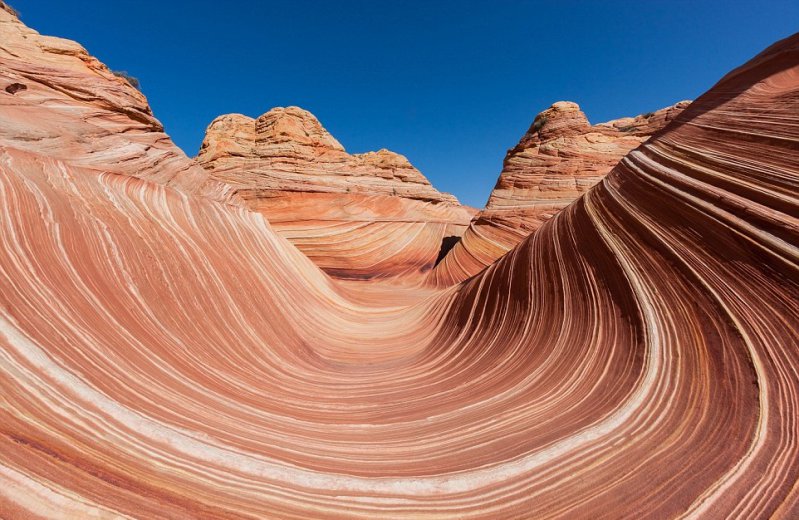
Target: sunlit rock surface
column 559, row 158
column 369, row 215
column 167, row 355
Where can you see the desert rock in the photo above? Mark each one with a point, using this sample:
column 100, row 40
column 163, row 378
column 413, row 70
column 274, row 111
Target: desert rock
column 167, row 355
column 559, row 158
column 370, row 215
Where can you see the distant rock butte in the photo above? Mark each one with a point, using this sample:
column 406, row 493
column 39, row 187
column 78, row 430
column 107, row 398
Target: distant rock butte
column 559, row 158
column 356, row 215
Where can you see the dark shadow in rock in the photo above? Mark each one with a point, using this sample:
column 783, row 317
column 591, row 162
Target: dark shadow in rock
column 447, row 243
column 16, row 87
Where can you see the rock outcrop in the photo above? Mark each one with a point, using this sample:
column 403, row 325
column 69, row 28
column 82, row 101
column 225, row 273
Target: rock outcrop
column 58, row 101
column 559, row 158
column 164, row 355
column 369, row 215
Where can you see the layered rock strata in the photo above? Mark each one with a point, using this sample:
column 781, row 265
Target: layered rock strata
column 163, row 355
column 559, row 158
column 60, row 102
column 366, row 215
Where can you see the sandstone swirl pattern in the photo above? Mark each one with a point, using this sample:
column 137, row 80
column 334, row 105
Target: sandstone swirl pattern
column 559, row 158
column 165, row 354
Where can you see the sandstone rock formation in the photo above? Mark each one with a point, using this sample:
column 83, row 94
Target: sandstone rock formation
column 357, row 216
column 60, row 102
column 165, row 355
column 559, row 158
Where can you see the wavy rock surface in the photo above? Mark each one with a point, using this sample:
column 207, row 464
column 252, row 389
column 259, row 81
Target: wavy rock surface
column 559, row 158
column 163, row 355
column 356, row 216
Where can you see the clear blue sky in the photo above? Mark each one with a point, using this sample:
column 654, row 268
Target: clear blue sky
column 450, row 84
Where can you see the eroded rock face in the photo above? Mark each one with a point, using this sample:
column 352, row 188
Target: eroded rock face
column 59, row 101
column 357, row 216
column 559, row 158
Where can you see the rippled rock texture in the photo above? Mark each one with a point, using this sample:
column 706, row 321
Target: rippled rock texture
column 167, row 355
column 559, row 158
column 357, row 216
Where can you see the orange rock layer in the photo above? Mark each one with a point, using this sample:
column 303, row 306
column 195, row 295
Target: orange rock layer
column 559, row 158
column 356, row 216
column 165, row 355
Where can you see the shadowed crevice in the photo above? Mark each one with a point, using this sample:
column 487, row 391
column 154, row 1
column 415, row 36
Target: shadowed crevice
column 447, row 243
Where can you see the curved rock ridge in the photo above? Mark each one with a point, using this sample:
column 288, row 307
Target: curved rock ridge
column 370, row 215
column 559, row 158
column 163, row 355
